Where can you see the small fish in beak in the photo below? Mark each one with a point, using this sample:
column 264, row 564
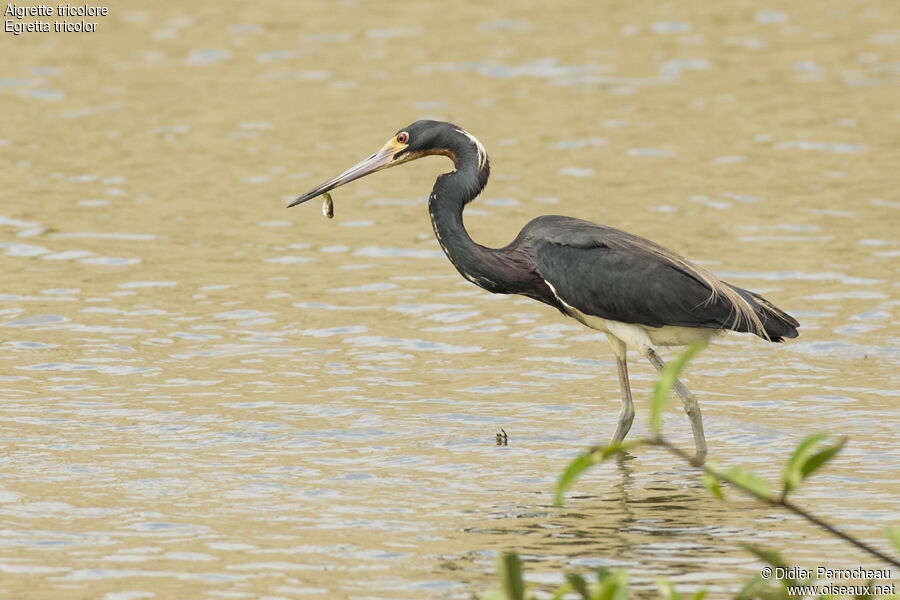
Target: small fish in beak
column 327, row 205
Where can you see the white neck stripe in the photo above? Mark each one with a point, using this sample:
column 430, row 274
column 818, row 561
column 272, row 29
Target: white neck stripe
column 482, row 153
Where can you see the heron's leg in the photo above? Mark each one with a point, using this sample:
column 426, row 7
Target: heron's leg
column 626, row 415
column 691, row 407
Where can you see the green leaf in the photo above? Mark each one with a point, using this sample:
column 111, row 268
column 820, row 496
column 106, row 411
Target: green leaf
column 585, row 461
column 578, row 584
column 712, row 484
column 805, row 460
column 747, row 481
column 700, row 595
column 752, row 589
column 774, row 559
column 666, row 381
column 820, row 458
column 562, row 591
column 614, row 586
column 770, row 557
column 575, row 468
column 510, row 572
column 893, row 534
column 667, row 590
column 865, row 595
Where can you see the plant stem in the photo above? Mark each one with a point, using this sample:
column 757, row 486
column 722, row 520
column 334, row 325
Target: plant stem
column 771, row 501
column 832, row 530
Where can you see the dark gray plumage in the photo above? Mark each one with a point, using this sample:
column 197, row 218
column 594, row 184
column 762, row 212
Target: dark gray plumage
column 609, row 273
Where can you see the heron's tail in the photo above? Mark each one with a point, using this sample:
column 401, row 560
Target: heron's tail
column 777, row 324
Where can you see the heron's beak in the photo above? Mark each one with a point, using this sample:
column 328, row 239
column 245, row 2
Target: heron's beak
column 382, row 159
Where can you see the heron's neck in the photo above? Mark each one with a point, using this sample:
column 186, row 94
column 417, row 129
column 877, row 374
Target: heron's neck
column 452, row 191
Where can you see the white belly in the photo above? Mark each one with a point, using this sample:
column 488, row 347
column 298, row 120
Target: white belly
column 642, row 337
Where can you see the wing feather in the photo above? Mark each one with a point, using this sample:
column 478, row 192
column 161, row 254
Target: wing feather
column 608, row 273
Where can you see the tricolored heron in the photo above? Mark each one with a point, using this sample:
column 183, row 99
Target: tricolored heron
column 638, row 293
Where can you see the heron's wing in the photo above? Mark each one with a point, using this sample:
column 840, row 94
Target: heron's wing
column 614, row 275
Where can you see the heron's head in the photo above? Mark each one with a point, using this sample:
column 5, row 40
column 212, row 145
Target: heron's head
column 422, row 138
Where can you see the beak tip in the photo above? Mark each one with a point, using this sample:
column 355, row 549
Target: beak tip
column 380, row 160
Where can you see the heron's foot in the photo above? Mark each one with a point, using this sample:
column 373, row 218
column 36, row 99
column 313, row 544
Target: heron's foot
column 619, row 436
column 626, row 418
column 699, row 458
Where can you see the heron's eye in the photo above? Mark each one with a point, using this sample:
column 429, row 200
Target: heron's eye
column 402, row 137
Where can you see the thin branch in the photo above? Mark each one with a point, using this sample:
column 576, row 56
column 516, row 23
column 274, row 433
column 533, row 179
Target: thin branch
column 831, row 529
column 772, row 501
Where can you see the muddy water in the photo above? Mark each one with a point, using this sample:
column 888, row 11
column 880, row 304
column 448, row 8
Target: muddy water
column 205, row 395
